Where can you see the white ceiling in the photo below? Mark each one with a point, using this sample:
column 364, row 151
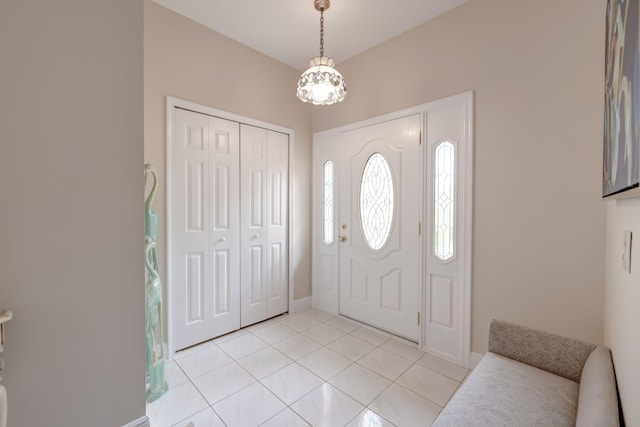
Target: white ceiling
column 289, row 30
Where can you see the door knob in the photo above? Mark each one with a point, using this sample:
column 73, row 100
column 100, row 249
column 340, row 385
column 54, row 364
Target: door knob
column 342, row 238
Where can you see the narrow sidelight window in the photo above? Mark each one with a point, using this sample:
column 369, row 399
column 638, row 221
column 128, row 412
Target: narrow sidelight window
column 444, row 200
column 327, row 203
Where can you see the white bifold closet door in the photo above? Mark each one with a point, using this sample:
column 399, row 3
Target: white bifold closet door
column 205, row 227
column 228, row 226
column 264, row 178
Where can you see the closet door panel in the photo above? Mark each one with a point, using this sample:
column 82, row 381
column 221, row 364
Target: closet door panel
column 253, row 230
column 277, row 230
column 224, row 157
column 190, row 213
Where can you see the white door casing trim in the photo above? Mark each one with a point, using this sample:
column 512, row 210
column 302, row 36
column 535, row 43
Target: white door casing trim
column 329, row 301
column 171, row 104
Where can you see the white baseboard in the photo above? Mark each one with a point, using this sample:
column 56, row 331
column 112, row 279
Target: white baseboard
column 474, row 359
column 140, row 422
column 300, row 304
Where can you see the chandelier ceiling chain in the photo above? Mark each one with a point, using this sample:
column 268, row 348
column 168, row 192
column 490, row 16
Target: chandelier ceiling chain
column 322, row 32
column 321, row 84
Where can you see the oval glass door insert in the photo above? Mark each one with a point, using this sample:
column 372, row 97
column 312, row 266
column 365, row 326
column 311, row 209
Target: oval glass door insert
column 376, row 201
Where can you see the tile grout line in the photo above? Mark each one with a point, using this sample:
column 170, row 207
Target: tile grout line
column 281, row 321
column 352, row 362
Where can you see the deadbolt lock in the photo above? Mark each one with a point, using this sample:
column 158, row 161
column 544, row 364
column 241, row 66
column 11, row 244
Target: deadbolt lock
column 344, row 226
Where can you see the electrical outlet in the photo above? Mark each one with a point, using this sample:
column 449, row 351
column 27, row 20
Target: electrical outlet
column 626, row 251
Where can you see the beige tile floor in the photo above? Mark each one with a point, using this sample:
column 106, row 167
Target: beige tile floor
column 307, row 368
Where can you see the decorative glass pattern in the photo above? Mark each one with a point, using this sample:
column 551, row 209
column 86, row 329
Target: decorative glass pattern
column 327, row 203
column 376, row 201
column 444, row 199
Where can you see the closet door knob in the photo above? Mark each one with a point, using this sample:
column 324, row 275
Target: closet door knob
column 255, row 236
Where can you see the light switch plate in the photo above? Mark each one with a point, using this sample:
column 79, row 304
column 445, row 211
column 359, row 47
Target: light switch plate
column 626, row 251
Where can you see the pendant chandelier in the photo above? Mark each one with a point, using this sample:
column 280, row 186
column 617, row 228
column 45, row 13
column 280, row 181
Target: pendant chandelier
column 321, row 84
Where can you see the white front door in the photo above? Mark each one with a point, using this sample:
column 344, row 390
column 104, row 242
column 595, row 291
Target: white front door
column 205, row 227
column 379, row 225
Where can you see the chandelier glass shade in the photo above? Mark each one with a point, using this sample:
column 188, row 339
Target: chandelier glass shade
column 321, row 83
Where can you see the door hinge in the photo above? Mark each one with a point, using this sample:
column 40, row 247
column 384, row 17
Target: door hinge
column 418, row 318
column 420, row 141
column 419, row 229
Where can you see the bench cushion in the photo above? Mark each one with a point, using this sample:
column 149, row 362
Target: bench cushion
column 503, row 392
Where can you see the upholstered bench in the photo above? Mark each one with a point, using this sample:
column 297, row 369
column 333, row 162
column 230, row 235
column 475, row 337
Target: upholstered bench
column 534, row 378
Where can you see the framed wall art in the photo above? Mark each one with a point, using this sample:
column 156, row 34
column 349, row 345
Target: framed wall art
column 621, row 153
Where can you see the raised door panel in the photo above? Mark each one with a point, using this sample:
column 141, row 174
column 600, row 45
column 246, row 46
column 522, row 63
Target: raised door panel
column 391, row 290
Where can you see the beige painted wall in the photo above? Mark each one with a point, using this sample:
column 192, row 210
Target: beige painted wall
column 536, row 68
column 622, row 317
column 71, row 215
column 186, row 60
